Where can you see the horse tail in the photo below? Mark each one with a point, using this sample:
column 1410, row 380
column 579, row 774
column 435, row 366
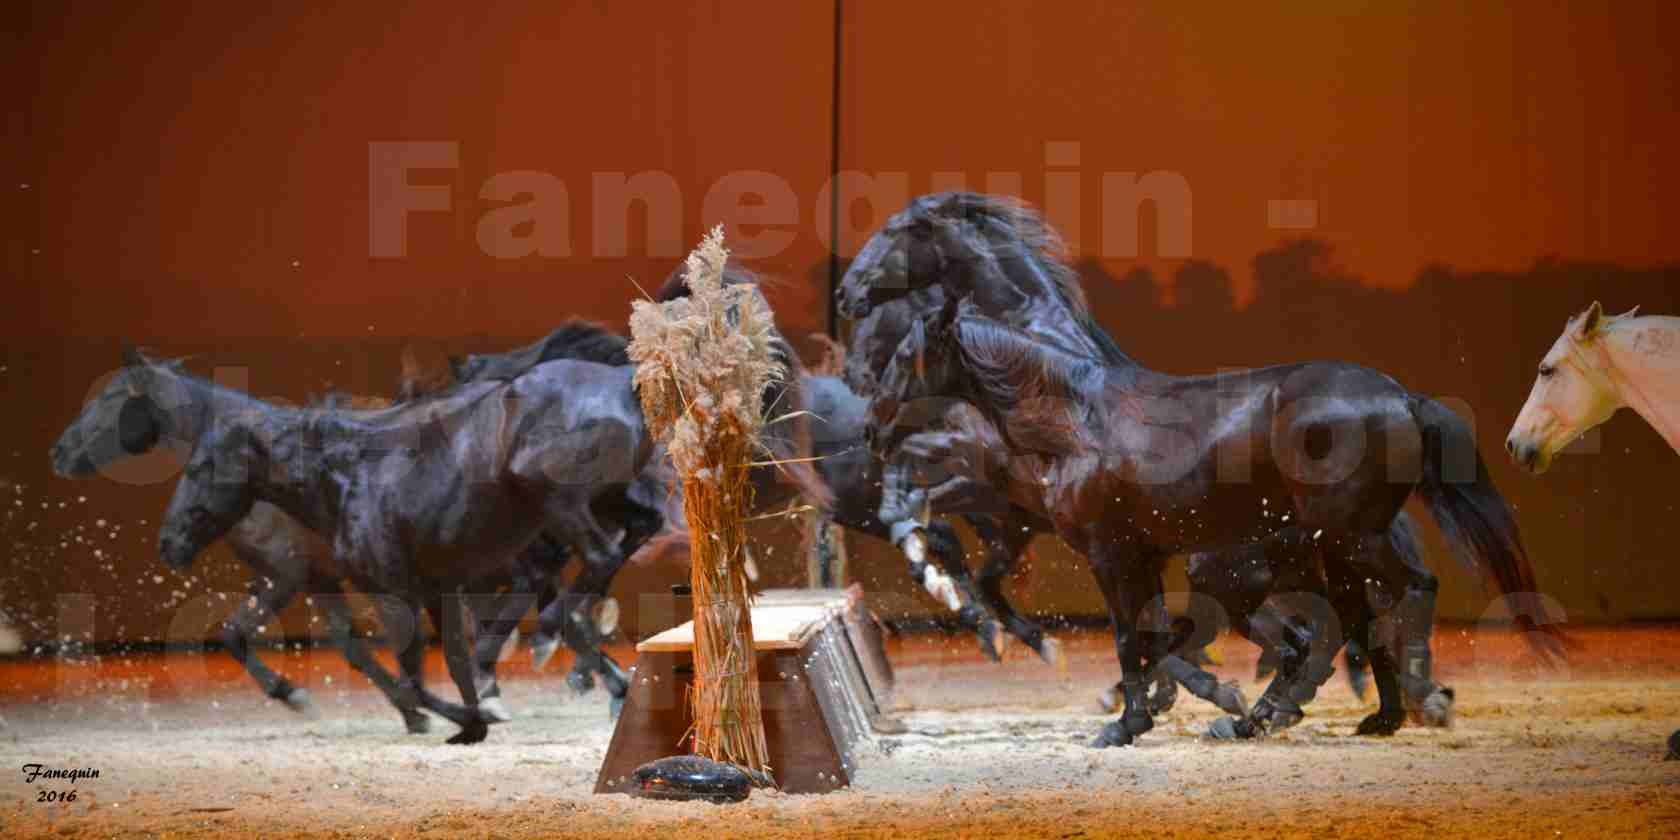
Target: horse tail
column 1477, row 521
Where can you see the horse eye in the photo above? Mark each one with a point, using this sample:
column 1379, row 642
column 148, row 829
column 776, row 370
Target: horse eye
column 1546, row 371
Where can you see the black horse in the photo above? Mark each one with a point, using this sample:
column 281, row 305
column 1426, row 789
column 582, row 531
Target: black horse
column 425, row 501
column 1134, row 465
column 1000, row 256
column 823, row 461
column 150, row 403
column 969, row 460
column 1239, row 582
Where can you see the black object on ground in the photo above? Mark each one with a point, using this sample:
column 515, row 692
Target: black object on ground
column 691, row 777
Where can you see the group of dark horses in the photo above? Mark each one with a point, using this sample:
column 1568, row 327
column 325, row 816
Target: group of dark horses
column 976, row 386
column 1290, row 480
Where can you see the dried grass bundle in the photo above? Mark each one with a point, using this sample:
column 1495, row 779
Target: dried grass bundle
column 702, row 363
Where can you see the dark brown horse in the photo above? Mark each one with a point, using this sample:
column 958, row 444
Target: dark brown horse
column 1132, row 465
column 999, row 253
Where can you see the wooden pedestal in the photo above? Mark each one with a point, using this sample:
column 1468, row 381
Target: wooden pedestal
column 823, row 681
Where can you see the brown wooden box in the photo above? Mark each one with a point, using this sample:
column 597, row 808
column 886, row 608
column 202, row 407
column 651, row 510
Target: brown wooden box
column 818, row 699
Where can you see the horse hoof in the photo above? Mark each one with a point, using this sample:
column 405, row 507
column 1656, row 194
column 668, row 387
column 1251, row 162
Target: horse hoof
column 1378, row 726
column 1229, row 698
column 991, row 640
column 1282, row 720
column 1161, row 700
column 1109, row 700
column 493, row 710
column 1138, row 724
column 543, row 647
column 1674, row 746
column 1437, row 709
column 1223, row 729
column 1113, row 735
column 298, row 700
column 581, row 682
column 1050, row 651
column 605, row 616
column 471, row 733
column 418, row 723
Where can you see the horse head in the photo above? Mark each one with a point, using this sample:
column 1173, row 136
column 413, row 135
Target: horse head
column 1573, row 392
column 214, row 493
column 923, row 373
column 943, row 239
column 996, row 251
column 129, row 416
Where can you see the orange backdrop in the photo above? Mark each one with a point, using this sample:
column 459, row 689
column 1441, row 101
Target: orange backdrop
column 196, row 176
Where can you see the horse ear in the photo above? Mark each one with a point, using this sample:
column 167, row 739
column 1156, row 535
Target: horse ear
column 1589, row 322
column 1631, row 313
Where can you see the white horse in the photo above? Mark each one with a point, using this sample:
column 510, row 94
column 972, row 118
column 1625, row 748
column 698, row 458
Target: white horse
column 1599, row 365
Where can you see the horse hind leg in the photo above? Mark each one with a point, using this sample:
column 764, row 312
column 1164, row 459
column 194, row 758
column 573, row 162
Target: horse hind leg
column 1177, row 668
column 1428, row 703
column 1130, row 586
column 569, row 617
column 1351, row 582
column 355, row 651
column 1302, row 666
column 1391, row 711
column 401, row 617
column 453, row 619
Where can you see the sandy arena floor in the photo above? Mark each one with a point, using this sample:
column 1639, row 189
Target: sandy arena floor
column 184, row 749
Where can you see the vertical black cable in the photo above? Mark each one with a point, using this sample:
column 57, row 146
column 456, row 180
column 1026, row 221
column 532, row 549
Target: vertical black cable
column 834, row 185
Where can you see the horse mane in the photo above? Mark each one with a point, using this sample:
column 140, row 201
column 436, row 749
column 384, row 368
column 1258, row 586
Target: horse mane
column 1038, row 240
column 575, row 339
column 1011, row 368
column 339, row 401
column 1047, row 391
column 586, row 341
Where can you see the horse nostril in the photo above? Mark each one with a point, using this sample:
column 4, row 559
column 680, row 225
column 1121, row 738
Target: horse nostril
column 1510, row 446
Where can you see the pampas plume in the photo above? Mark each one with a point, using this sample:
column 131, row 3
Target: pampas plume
column 701, row 363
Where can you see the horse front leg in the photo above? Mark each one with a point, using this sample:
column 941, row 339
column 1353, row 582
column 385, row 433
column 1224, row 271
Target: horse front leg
column 268, row 597
column 572, row 615
column 400, row 613
column 508, row 610
column 1005, row 540
column 453, row 618
column 906, row 510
